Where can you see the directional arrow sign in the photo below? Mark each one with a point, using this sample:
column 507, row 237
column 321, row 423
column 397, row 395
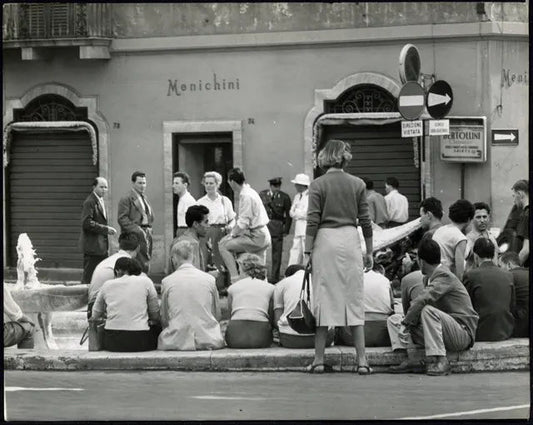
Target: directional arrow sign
column 411, row 101
column 439, row 99
column 505, row 137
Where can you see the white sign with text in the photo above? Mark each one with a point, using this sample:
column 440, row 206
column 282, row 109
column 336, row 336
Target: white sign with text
column 412, row 128
column 439, row 127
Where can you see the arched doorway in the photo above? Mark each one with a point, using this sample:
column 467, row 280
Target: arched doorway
column 48, row 175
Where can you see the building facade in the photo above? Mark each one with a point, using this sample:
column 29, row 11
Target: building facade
column 106, row 89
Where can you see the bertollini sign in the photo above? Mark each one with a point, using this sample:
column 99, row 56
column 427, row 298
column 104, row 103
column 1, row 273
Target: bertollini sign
column 467, row 141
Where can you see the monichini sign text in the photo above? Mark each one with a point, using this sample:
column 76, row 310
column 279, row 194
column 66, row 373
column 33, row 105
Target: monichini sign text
column 178, row 87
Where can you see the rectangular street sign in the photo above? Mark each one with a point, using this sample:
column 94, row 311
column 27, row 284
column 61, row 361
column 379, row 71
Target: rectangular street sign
column 412, row 128
column 503, row 136
column 439, row 127
column 465, row 143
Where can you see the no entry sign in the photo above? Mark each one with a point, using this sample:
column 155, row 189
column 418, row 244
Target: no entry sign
column 439, row 99
column 411, row 101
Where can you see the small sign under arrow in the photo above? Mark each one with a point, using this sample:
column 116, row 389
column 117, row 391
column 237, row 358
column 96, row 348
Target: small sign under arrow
column 507, row 137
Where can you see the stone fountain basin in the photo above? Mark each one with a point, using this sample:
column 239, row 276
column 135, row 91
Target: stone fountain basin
column 50, row 298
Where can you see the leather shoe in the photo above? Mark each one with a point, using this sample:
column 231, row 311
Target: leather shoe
column 440, row 368
column 409, row 366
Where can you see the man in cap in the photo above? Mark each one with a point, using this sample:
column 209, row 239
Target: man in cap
column 298, row 213
column 278, row 206
column 521, row 197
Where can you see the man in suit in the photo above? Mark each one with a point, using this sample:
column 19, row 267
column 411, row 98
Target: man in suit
column 278, row 207
column 95, row 230
column 136, row 216
column 492, row 292
column 510, row 261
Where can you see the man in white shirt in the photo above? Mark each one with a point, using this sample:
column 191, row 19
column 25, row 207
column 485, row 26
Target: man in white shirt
column 180, row 186
column 397, row 204
column 298, row 213
column 190, row 307
column 105, row 270
column 18, row 329
column 480, row 229
column 250, row 233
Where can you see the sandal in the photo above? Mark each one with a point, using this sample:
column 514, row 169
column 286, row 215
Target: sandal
column 364, row 370
column 319, row 368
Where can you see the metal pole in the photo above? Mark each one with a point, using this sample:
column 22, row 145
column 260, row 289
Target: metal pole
column 462, row 180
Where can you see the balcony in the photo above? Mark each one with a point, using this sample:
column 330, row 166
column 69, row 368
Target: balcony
column 37, row 27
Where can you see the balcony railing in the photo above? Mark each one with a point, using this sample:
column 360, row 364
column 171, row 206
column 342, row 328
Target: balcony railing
column 56, row 21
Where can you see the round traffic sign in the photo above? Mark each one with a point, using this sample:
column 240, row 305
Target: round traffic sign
column 411, row 100
column 439, row 99
column 409, row 64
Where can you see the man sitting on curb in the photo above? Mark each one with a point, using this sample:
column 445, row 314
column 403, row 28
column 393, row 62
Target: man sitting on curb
column 441, row 318
column 105, row 270
column 491, row 290
column 18, row 329
column 510, row 261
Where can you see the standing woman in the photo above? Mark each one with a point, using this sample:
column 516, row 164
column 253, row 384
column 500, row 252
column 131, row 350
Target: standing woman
column 221, row 215
column 337, row 205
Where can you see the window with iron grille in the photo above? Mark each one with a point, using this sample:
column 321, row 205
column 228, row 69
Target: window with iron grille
column 362, row 98
column 50, row 107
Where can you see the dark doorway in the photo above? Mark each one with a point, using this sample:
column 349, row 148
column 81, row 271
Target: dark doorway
column 200, row 152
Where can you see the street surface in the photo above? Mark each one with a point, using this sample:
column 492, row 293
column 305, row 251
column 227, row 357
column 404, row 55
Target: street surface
column 169, row 395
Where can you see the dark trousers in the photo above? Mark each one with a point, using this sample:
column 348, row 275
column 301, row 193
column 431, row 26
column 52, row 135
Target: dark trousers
column 275, row 227
column 144, row 254
column 248, row 334
column 89, row 264
column 18, row 333
column 303, row 341
column 376, row 334
column 131, row 341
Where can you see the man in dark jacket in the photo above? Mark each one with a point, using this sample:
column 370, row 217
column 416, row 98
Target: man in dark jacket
column 510, row 261
column 441, row 318
column 95, row 230
column 492, row 292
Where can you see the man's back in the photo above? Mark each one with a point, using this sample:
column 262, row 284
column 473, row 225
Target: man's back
column 491, row 290
column 189, row 311
column 103, row 272
column 286, row 296
column 521, row 310
column 377, row 207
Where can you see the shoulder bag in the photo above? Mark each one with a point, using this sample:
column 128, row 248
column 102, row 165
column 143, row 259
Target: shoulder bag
column 300, row 318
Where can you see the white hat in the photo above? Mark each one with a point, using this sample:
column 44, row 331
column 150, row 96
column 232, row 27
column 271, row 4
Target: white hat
column 302, row 179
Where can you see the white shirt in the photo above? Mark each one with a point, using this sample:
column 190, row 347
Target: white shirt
column 397, row 206
column 448, row 237
column 252, row 212
column 299, row 212
column 103, row 272
column 101, row 200
column 377, row 298
column 186, row 201
column 220, row 209
column 286, row 296
column 249, row 299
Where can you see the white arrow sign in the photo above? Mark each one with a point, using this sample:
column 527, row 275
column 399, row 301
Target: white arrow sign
column 436, row 99
column 415, row 100
column 510, row 137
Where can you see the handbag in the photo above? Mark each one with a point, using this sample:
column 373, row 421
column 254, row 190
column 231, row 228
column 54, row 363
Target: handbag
column 300, row 318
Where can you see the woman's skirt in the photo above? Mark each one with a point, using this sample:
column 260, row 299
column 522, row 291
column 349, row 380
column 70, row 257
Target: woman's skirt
column 337, row 277
column 248, row 334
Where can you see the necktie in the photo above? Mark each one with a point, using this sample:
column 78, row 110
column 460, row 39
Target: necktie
column 146, row 209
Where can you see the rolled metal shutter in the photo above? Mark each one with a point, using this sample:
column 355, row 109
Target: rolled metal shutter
column 378, row 152
column 49, row 176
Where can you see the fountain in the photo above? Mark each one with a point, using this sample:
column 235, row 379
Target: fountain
column 37, row 300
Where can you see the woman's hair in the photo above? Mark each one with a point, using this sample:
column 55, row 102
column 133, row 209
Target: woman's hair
column 127, row 266
column 213, row 175
column 252, row 265
column 336, row 154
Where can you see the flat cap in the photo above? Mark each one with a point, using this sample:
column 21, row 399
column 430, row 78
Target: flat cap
column 275, row 181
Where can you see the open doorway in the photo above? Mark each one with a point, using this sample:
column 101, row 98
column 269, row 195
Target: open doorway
column 196, row 153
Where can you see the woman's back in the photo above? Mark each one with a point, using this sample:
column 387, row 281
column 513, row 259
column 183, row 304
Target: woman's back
column 250, row 299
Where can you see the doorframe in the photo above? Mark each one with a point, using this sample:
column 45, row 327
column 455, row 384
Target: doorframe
column 170, row 128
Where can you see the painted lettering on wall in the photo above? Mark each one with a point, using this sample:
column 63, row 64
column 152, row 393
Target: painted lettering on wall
column 509, row 78
column 177, row 87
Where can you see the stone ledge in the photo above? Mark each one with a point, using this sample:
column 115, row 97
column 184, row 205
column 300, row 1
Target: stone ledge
column 483, row 357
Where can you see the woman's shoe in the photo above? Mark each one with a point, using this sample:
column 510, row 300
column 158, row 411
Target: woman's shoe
column 319, row 368
column 364, row 370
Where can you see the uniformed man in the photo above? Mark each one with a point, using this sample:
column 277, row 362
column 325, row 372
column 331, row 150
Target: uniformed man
column 278, row 207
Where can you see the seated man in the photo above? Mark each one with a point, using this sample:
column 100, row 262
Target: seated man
column 480, row 229
column 190, row 307
column 18, row 329
column 492, row 293
column 441, row 318
column 379, row 305
column 510, row 261
column 196, row 218
column 286, row 296
column 105, row 270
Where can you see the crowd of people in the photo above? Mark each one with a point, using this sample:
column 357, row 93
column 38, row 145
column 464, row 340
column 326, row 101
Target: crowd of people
column 460, row 284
